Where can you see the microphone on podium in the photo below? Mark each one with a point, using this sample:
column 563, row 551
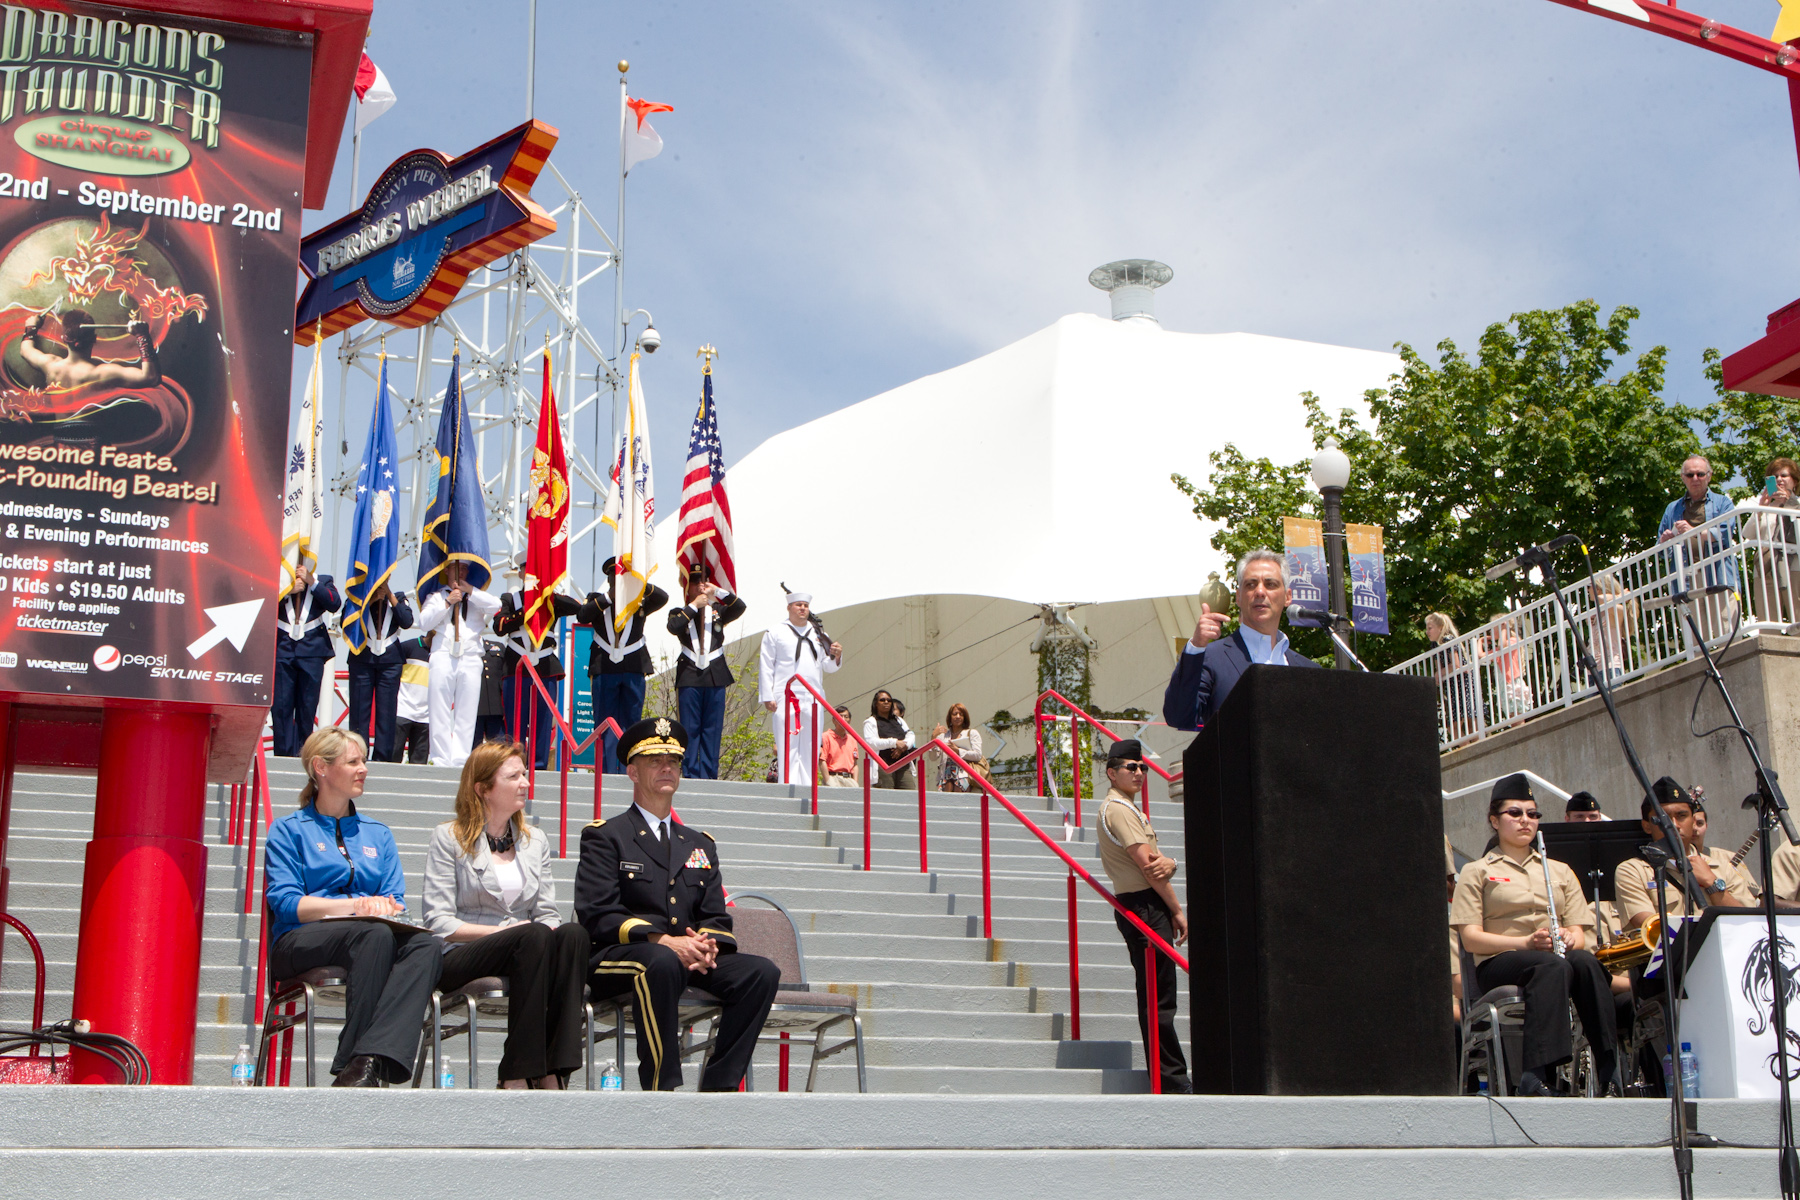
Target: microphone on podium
column 1533, row 557
column 1685, row 597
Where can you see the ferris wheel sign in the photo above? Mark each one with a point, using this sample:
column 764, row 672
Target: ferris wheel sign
column 426, row 224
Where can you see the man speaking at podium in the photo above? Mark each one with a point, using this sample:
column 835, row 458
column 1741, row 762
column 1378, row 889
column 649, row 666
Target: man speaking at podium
column 1211, row 665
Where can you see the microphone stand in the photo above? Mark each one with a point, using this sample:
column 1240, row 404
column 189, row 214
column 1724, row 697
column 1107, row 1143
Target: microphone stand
column 1540, row 557
column 1332, row 626
column 1772, row 809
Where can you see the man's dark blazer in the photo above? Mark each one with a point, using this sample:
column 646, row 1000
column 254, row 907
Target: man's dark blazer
column 1202, row 681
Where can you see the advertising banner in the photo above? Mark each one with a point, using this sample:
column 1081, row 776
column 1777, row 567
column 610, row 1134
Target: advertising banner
column 581, row 717
column 1304, row 544
column 1368, row 579
column 150, row 178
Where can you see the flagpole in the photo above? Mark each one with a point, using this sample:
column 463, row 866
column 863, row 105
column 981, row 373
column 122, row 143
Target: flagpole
column 531, row 64
column 619, row 319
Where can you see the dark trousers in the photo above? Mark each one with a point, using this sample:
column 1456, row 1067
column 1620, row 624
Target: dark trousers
column 297, row 683
column 490, row 727
column 900, row 780
column 546, row 722
column 654, row 978
column 702, row 712
column 391, row 976
column 1151, row 910
column 1549, row 983
column 620, row 697
column 546, row 972
column 414, row 737
column 374, row 689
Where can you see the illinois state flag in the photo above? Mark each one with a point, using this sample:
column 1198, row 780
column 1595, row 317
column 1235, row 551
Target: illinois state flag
column 630, row 507
column 547, row 529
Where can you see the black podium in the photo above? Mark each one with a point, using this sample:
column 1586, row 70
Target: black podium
column 1315, row 889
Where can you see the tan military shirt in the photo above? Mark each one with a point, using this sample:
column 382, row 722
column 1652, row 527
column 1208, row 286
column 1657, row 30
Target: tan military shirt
column 1507, row 897
column 1121, row 824
column 1786, row 869
column 1631, row 884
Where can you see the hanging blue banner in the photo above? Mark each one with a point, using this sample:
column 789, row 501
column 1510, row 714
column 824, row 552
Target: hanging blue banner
column 1368, row 579
column 1304, row 543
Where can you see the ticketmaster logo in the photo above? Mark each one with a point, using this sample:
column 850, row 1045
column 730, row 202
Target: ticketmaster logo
column 51, row 664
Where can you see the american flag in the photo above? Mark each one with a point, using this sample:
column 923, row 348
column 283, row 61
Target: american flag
column 705, row 512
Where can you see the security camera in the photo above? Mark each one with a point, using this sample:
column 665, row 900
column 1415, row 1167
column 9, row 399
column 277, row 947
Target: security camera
column 650, row 339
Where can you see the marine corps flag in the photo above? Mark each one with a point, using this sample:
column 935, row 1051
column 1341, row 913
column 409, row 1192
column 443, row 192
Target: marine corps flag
column 374, row 532
column 547, row 530
column 630, row 505
column 303, row 502
column 455, row 524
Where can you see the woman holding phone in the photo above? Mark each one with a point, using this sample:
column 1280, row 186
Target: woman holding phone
column 328, row 869
column 1778, row 561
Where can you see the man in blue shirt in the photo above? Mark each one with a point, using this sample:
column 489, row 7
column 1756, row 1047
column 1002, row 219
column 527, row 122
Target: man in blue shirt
column 1211, row 665
column 1715, row 614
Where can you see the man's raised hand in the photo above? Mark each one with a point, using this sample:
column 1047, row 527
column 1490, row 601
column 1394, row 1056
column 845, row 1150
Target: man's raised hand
column 1210, row 626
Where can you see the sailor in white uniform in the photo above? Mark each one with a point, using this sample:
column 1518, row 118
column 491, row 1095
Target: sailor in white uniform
column 456, row 612
column 792, row 648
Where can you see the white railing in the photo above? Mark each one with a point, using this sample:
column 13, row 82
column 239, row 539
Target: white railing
column 1525, row 662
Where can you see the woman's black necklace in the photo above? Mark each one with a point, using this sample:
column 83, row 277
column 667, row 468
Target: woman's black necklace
column 500, row 845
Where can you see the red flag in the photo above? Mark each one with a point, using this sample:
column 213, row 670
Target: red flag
column 547, row 530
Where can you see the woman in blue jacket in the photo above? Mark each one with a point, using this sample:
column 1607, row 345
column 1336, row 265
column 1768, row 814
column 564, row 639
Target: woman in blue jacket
column 326, row 865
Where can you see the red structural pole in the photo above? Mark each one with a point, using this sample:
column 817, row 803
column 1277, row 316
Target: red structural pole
column 1074, row 967
column 1153, row 1021
column 137, row 965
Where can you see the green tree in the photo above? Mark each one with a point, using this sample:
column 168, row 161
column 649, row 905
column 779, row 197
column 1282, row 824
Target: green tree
column 1746, row 431
column 1469, row 461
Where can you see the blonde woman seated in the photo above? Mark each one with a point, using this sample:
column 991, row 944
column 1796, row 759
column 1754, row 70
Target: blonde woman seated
column 490, row 896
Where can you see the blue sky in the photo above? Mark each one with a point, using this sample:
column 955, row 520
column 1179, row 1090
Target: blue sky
column 853, row 195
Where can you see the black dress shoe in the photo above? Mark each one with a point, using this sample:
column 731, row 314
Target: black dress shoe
column 1178, row 1087
column 1531, row 1085
column 362, row 1071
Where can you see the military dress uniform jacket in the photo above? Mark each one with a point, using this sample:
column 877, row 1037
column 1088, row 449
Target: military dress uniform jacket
column 510, row 625
column 622, row 653
column 630, row 885
column 383, row 622
column 704, row 665
column 300, row 630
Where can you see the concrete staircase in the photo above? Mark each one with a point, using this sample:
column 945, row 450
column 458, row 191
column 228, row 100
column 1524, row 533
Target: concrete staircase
column 944, row 1008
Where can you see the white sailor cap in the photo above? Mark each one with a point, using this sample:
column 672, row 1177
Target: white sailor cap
column 799, row 597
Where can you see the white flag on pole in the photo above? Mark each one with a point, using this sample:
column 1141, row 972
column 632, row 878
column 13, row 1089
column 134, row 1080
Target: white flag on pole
column 640, row 139
column 303, row 504
column 374, row 94
column 631, row 507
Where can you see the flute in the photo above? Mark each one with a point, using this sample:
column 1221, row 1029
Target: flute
column 1556, row 938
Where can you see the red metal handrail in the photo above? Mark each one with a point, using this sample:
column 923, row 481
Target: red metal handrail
column 1077, row 713
column 1155, row 943
column 568, row 749
column 37, row 954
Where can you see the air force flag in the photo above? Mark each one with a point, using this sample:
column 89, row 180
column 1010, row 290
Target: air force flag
column 456, row 522
column 375, row 530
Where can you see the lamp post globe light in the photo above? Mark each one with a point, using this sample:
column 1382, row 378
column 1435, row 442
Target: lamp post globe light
column 1331, row 474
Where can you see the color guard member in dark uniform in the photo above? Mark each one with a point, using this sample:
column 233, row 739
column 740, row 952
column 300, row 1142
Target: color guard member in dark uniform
column 510, row 625
column 618, row 661
column 302, row 648
column 649, row 893
column 702, row 675
column 375, row 671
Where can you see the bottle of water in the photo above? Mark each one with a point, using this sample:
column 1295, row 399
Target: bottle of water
column 1690, row 1072
column 610, row 1079
column 243, row 1070
column 1481, row 1087
column 447, row 1079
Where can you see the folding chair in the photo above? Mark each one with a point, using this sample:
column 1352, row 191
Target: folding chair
column 478, row 998
column 797, row 1009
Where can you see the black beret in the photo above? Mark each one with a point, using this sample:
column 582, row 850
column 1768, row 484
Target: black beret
column 1513, row 787
column 1126, row 748
column 653, row 735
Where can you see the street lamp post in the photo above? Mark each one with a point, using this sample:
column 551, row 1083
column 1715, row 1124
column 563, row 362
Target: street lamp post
column 1331, row 474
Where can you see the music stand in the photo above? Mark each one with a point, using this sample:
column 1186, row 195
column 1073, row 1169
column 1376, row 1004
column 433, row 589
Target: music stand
column 1594, row 850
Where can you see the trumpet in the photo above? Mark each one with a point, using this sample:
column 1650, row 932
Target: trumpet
column 1556, row 938
column 1630, row 949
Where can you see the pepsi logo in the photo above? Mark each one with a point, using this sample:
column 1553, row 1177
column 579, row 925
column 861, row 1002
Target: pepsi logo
column 107, row 658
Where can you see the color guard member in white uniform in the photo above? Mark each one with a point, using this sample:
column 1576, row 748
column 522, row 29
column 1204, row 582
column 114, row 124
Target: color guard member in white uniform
column 456, row 612
column 789, row 649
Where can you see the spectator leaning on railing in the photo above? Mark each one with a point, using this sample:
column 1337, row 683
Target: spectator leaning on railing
column 1778, row 558
column 1685, row 514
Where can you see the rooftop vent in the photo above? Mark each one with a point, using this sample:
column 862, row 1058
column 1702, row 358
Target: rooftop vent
column 1132, row 283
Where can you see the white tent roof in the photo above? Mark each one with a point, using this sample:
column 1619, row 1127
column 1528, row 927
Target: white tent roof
column 1039, row 472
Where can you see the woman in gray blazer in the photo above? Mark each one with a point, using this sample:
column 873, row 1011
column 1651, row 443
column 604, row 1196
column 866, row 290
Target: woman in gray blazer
column 490, row 896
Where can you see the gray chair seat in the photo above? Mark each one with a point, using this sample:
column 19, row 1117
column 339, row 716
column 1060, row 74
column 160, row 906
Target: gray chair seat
column 773, row 934
column 328, row 985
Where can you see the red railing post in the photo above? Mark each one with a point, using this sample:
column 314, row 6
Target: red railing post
column 868, row 804
column 262, row 960
column 1153, row 1022
column 563, row 754
column 815, row 756
column 1075, row 766
column 987, row 874
column 787, row 729
column 919, row 770
column 518, row 696
column 784, row 1063
column 1074, row 966
column 1037, row 722
column 531, row 750
column 256, row 776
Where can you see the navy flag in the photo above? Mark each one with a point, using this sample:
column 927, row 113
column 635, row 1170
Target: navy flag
column 456, row 523
column 374, row 530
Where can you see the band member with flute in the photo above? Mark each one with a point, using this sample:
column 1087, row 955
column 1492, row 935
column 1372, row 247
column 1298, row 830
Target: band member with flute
column 1503, row 909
